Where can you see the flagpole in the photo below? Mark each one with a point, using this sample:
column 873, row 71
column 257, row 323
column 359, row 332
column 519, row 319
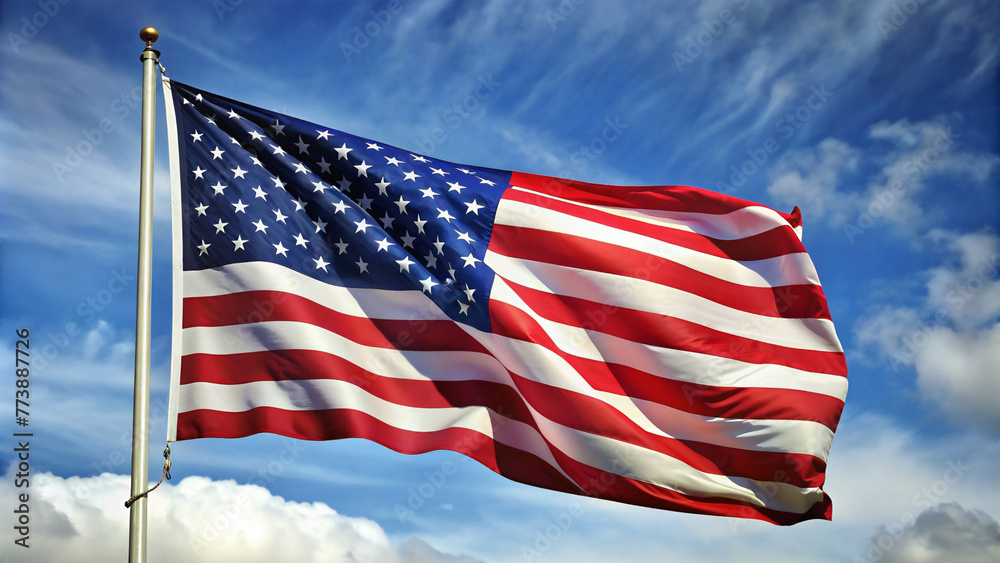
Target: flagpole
column 140, row 400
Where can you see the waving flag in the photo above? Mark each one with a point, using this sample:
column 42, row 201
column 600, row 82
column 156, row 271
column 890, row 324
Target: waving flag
column 661, row 346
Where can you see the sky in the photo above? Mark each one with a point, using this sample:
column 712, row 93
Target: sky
column 878, row 119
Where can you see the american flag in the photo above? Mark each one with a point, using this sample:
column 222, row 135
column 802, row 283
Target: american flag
column 660, row 346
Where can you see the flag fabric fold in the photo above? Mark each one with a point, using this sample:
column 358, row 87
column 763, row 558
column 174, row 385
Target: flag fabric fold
column 662, row 346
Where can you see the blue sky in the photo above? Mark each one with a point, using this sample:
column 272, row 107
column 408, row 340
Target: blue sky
column 879, row 119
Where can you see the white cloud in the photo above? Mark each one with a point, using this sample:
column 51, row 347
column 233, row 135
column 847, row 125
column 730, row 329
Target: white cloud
column 198, row 519
column 810, row 179
column 946, row 532
column 952, row 338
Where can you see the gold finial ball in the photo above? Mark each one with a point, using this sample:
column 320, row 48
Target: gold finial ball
column 149, row 35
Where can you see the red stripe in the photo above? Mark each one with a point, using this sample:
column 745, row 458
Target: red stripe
column 508, row 461
column 778, row 241
column 664, row 198
column 257, row 306
column 564, row 407
column 789, row 301
column 660, row 330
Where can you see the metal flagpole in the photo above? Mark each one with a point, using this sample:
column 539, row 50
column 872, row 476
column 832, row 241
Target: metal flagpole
column 140, row 401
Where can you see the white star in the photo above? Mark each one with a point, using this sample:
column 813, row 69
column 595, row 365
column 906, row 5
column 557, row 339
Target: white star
column 238, row 243
column 420, row 224
column 431, row 260
column 299, row 167
column 300, row 240
column 320, row 263
column 362, row 265
column 323, row 135
column 203, row 247
column 393, row 161
column 260, row 226
column 186, row 102
column 278, row 150
column 428, row 284
column 428, row 192
column 344, row 184
column 260, row 193
column 240, row 206
column 463, row 308
column 196, row 136
column 474, row 207
column 320, row 225
column 439, row 245
column 418, row 158
column 382, row 186
column 256, row 160
column 279, row 217
column 198, row 97
column 362, row 226
column 233, row 114
column 256, row 135
column 324, row 165
column 451, row 271
column 443, row 214
column 387, row 221
column 410, row 176
column 374, row 146
column 303, row 146
column 219, row 187
column 211, row 120
column 238, row 172
column 340, row 207
column 470, row 260
column 483, row 181
column 279, row 129
column 299, row 204
column 234, row 141
column 363, row 169
column 217, row 153
column 455, row 187
column 199, row 173
column 464, row 170
column 342, row 151
column 319, row 187
column 280, row 249
column 438, row 171
column 341, row 246
column 278, row 183
column 408, row 240
column 405, row 264
column 468, row 293
column 384, row 244
column 464, row 236
column 402, row 205
column 201, row 209
column 365, row 202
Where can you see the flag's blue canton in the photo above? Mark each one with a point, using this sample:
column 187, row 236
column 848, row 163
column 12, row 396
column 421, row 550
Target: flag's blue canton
column 262, row 186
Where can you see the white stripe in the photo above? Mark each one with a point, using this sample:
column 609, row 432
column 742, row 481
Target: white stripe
column 266, row 276
column 741, row 223
column 633, row 293
column 678, row 365
column 609, row 455
column 790, row 269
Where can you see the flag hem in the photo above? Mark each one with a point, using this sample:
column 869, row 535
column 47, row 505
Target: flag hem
column 177, row 258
